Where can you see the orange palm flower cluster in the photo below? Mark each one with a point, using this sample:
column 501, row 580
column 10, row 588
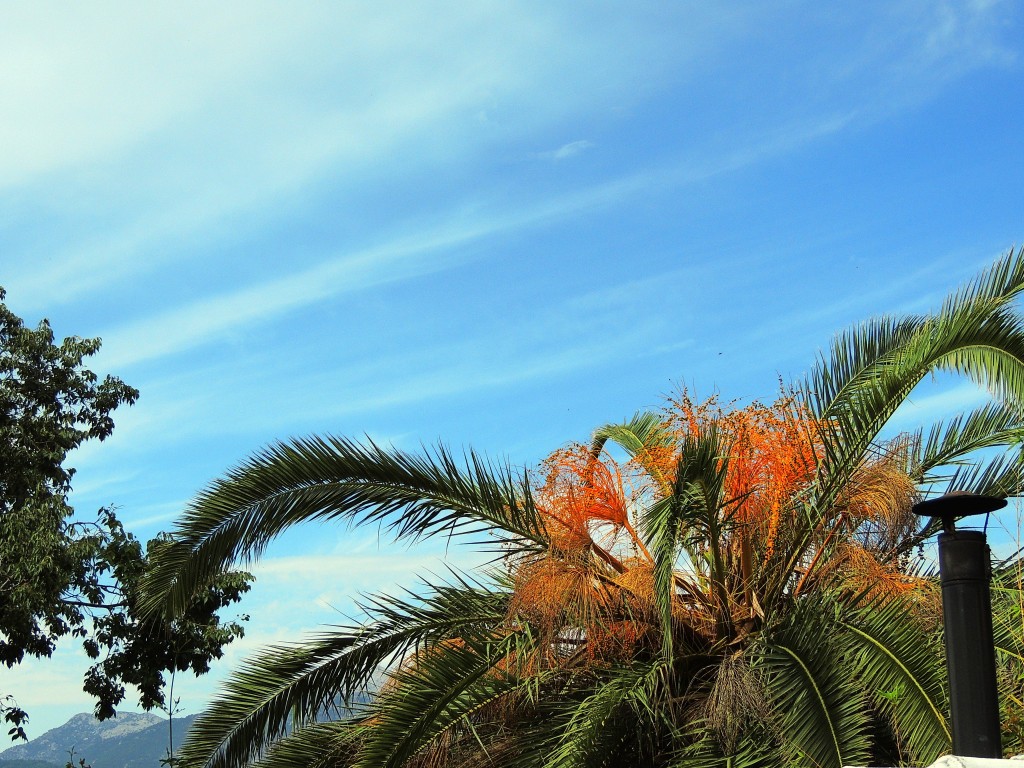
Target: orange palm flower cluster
column 593, row 589
column 772, row 455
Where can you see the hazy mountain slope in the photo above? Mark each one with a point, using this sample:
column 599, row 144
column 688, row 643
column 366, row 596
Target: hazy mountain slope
column 128, row 741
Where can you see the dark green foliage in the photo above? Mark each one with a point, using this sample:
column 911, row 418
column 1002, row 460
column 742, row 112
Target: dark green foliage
column 49, row 405
column 139, row 651
column 60, row 576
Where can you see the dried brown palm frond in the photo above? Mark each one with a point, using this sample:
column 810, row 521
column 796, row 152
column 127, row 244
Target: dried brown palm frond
column 437, row 753
column 736, row 702
column 638, row 598
column 552, row 591
column 859, row 571
column 879, row 498
column 636, row 592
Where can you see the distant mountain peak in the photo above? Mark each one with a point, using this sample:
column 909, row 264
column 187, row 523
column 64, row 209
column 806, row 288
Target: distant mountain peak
column 130, row 740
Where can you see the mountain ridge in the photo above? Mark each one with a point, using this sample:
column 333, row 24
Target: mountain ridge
column 129, row 740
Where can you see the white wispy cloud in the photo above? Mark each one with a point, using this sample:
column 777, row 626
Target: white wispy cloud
column 145, row 518
column 409, row 256
column 965, row 35
column 174, row 127
column 570, row 149
column 582, row 332
column 46, row 682
column 204, row 320
column 930, row 403
column 168, row 124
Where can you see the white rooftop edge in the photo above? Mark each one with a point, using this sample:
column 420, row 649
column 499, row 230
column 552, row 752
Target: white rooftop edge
column 952, row 761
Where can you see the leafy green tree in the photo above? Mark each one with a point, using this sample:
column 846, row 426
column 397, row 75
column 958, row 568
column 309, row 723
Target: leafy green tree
column 699, row 587
column 60, row 576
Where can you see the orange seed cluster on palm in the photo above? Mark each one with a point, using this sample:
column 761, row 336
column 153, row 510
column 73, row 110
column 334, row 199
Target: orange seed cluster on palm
column 773, row 456
column 596, row 579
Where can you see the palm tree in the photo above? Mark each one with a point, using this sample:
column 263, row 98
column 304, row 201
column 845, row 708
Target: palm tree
column 700, row 586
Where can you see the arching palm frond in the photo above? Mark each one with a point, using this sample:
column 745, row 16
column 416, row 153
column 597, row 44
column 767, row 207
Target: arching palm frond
column 994, row 358
column 825, row 718
column 873, row 368
column 283, row 687
column 992, row 425
column 329, row 478
column 972, row 324
column 290, row 686
column 623, row 707
column 643, row 437
column 850, row 427
column 326, row 744
column 442, row 689
column 898, row 661
column 853, row 360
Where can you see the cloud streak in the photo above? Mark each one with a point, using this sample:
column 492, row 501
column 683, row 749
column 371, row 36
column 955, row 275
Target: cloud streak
column 167, row 125
column 410, row 256
column 571, row 149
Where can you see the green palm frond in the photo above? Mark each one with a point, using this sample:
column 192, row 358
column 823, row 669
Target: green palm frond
column 441, row 690
column 873, row 368
column 1007, row 592
column 282, row 687
column 706, row 752
column 692, row 514
column 992, row 425
column 327, row 744
column 329, row 478
column 853, row 357
column 1001, row 475
column 994, row 359
column 622, row 707
column 900, row 664
column 639, row 437
column 898, row 348
column 880, row 361
column 289, row 686
column 1000, row 283
column 1008, row 632
column 825, row 716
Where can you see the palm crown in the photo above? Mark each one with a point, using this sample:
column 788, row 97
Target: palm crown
column 706, row 585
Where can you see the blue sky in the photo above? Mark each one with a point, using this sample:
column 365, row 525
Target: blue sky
column 493, row 224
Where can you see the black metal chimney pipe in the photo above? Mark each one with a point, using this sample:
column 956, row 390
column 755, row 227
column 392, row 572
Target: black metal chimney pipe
column 965, row 570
